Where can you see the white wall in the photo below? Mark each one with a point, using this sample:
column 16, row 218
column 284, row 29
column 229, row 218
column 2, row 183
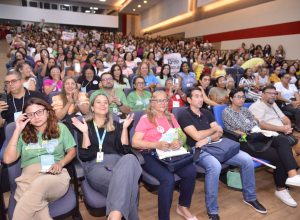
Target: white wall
column 57, row 17
column 274, row 12
column 162, row 11
column 291, row 44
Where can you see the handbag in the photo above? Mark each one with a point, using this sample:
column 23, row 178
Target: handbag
column 258, row 142
column 222, row 150
column 175, row 163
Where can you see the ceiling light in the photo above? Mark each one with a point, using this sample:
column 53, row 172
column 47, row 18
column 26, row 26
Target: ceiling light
column 67, row 5
column 91, row 8
column 133, row 9
column 102, row 0
column 139, row 6
column 95, row 8
column 87, row 11
column 145, row 2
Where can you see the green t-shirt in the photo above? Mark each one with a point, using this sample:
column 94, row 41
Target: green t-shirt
column 31, row 153
column 137, row 102
column 113, row 106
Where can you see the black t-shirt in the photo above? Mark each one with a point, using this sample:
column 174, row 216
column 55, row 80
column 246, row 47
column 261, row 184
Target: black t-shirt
column 111, row 145
column 90, row 85
column 16, row 105
column 200, row 123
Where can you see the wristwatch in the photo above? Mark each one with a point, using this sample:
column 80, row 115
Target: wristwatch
column 208, row 139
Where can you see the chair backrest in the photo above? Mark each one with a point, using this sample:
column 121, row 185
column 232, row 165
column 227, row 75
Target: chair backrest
column 178, row 110
column 136, row 118
column 128, row 90
column 247, row 104
column 218, row 109
column 90, row 92
column 14, row 171
column 51, row 95
column 130, row 79
column 9, row 130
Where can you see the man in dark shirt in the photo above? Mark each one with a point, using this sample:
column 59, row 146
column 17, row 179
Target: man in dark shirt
column 201, row 129
column 16, row 98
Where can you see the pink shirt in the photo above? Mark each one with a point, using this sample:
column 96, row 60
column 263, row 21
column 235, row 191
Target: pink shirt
column 150, row 131
column 49, row 82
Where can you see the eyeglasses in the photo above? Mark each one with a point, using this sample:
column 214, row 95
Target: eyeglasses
column 38, row 113
column 140, row 83
column 107, row 79
column 12, row 82
column 160, row 100
column 287, row 78
column 239, row 97
column 272, row 93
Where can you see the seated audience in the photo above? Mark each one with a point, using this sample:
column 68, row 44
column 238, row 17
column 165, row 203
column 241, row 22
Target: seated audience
column 240, row 120
column 54, row 82
column 201, row 129
column 88, row 80
column 120, row 81
column 146, row 138
column 27, row 75
column 108, row 167
column 188, row 78
column 117, row 99
column 18, row 95
column 139, row 98
column 44, row 146
column 288, row 93
column 70, row 101
column 219, row 93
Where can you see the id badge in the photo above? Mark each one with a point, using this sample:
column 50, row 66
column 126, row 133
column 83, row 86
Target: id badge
column 175, row 104
column 188, row 85
column 100, row 157
column 83, row 89
column 17, row 114
column 46, row 162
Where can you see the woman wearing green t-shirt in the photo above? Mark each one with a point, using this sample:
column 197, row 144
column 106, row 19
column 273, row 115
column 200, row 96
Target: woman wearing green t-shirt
column 139, row 99
column 45, row 147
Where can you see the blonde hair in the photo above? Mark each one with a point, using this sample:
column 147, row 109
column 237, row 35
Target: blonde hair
column 138, row 72
column 151, row 113
column 109, row 123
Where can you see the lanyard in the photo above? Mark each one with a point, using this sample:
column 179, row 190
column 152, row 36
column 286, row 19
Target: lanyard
column 87, row 83
column 100, row 140
column 16, row 110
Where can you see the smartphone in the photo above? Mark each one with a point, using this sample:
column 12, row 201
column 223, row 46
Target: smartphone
column 77, row 67
column 3, row 97
column 175, row 81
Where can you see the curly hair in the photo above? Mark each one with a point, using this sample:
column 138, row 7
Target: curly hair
column 52, row 130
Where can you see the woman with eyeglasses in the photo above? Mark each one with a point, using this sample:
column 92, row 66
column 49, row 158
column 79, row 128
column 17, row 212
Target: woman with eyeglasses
column 240, row 120
column 108, row 168
column 45, row 147
column 139, row 98
column 147, row 137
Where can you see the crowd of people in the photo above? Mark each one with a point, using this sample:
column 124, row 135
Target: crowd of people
column 51, row 81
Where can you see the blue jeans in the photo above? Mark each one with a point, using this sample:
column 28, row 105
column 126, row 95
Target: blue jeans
column 212, row 172
column 167, row 183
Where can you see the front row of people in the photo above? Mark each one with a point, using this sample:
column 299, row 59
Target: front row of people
column 46, row 146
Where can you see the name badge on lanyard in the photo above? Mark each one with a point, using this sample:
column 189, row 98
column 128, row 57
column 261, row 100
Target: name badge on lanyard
column 83, row 89
column 18, row 113
column 100, row 154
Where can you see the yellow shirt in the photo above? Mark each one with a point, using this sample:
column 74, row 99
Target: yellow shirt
column 198, row 70
column 274, row 78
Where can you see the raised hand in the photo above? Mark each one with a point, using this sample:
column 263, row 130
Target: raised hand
column 128, row 120
column 21, row 122
column 82, row 126
column 3, row 106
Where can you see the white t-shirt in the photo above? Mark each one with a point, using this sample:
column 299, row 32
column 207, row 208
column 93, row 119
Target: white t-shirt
column 286, row 93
